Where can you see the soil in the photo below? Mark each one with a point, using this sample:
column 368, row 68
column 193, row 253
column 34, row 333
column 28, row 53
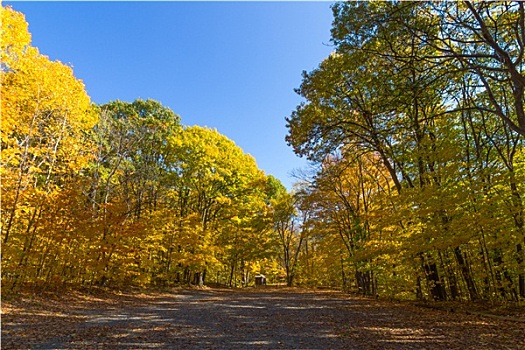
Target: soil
column 256, row 318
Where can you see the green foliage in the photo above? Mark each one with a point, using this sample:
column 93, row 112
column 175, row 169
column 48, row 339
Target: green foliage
column 129, row 198
column 417, row 136
column 415, row 120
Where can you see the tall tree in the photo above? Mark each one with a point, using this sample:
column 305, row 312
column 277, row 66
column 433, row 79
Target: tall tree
column 128, row 172
column 391, row 88
column 213, row 180
column 46, row 115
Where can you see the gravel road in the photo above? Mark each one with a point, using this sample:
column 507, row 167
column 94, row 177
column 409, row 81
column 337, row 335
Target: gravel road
column 221, row 319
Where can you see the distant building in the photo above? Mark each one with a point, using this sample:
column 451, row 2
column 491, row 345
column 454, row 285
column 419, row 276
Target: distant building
column 260, row 280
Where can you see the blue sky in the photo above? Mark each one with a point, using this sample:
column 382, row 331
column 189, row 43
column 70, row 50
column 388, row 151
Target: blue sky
column 232, row 66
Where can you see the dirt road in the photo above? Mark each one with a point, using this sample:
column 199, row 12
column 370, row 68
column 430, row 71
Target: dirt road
column 256, row 319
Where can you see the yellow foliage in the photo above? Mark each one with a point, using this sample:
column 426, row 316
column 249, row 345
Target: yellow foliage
column 14, row 33
column 45, row 108
column 45, row 117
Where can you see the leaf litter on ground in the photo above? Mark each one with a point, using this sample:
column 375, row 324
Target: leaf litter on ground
column 262, row 318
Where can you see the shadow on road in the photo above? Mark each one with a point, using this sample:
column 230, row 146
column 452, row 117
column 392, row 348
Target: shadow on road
column 251, row 320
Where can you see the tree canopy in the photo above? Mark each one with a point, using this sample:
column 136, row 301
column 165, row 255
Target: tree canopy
column 122, row 193
column 415, row 124
column 416, row 121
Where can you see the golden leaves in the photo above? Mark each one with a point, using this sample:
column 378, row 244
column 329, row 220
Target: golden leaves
column 14, row 33
column 46, row 114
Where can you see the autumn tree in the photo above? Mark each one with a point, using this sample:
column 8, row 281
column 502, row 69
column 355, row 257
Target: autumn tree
column 391, row 89
column 217, row 189
column 46, row 116
column 127, row 176
column 118, row 194
column 287, row 225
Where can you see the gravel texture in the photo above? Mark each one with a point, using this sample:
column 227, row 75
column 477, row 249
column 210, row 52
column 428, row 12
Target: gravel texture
column 254, row 319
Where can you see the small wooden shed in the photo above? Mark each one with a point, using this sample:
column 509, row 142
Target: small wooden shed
column 260, row 280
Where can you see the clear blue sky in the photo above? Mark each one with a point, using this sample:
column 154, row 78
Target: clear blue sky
column 232, row 66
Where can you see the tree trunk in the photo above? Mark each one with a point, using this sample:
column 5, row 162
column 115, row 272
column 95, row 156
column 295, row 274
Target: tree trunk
column 467, row 276
column 437, row 290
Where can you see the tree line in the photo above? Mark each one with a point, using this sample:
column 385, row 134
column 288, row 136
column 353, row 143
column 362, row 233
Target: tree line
column 415, row 124
column 119, row 194
column 416, row 121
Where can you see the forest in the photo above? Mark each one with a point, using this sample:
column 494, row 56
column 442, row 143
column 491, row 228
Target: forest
column 414, row 126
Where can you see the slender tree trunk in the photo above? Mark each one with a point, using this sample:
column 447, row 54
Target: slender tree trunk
column 467, row 276
column 519, row 223
column 437, row 290
column 232, row 274
column 451, row 277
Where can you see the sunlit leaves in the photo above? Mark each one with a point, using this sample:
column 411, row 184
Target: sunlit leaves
column 118, row 194
column 425, row 88
column 46, row 116
column 214, row 180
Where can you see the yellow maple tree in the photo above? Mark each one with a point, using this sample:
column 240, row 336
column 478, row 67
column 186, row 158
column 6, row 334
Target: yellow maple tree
column 46, row 115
